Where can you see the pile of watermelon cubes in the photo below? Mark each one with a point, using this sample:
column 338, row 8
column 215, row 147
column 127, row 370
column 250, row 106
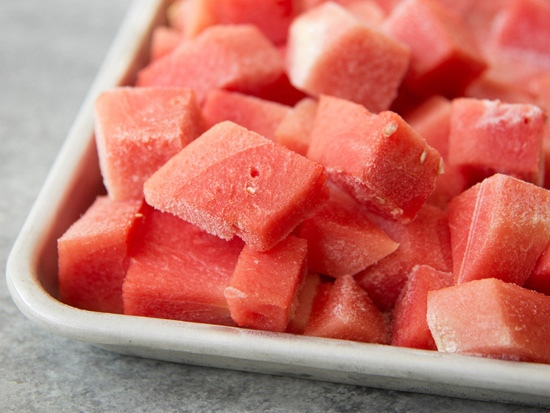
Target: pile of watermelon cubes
column 359, row 170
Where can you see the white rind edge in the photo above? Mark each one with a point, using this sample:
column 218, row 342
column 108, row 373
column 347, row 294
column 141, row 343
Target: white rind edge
column 226, row 347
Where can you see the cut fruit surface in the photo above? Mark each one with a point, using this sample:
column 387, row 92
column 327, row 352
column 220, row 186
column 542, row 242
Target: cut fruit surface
column 491, row 318
column 231, row 181
column 178, row 271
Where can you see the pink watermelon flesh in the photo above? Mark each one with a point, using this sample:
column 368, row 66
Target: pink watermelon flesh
column 177, row 271
column 491, row 136
column 329, row 51
column 234, row 57
column 264, row 287
column 410, row 327
column 385, row 6
column 539, row 280
column 298, row 321
column 499, row 228
column 444, row 56
column 344, row 311
column 231, row 181
column 424, row 241
column 259, row 115
column 164, row 40
column 367, row 11
column 523, row 27
column 491, row 318
column 93, row 255
column 138, row 130
column 491, row 85
column 295, row 128
column 176, row 14
column 341, row 238
column 272, row 17
column 432, row 121
column 379, row 159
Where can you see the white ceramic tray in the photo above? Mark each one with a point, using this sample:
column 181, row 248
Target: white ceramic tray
column 71, row 186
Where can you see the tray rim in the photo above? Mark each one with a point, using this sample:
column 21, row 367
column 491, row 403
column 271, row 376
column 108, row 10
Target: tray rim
column 228, row 347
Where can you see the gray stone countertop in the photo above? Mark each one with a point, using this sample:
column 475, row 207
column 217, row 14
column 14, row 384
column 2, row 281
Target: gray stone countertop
column 50, row 52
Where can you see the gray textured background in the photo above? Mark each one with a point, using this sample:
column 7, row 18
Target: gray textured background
column 50, row 52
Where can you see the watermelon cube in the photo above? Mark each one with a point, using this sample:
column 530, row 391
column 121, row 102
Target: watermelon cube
column 177, row 271
column 176, row 14
column 502, row 82
column 539, row 280
column 295, row 128
column 424, row 241
column 234, row 57
column 272, row 17
column 410, row 327
column 306, row 295
column 491, row 136
column 258, row 115
column 491, row 318
column 379, row 159
column 332, row 52
column 381, row 6
column 343, row 310
column 263, row 291
column 444, row 56
column 432, row 120
column 341, row 238
column 231, row 181
column 367, row 11
column 138, row 130
column 523, row 28
column 164, row 40
column 93, row 255
column 499, row 228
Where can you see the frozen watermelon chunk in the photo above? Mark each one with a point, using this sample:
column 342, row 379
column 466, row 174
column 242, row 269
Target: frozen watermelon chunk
column 93, row 255
column 231, row 181
column 539, row 280
column 264, row 287
column 444, row 56
column 272, row 17
column 367, row 11
column 523, row 27
column 539, row 86
column 507, row 87
column 499, row 228
column 379, row 159
column 344, row 311
column 409, row 326
column 176, row 14
column 491, row 136
column 164, row 40
column 424, row 241
column 341, row 238
column 332, row 52
column 306, row 295
column 491, row 318
column 234, row 57
column 138, row 130
column 385, row 6
column 432, row 120
column 295, row 128
column 177, row 271
column 258, row 115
